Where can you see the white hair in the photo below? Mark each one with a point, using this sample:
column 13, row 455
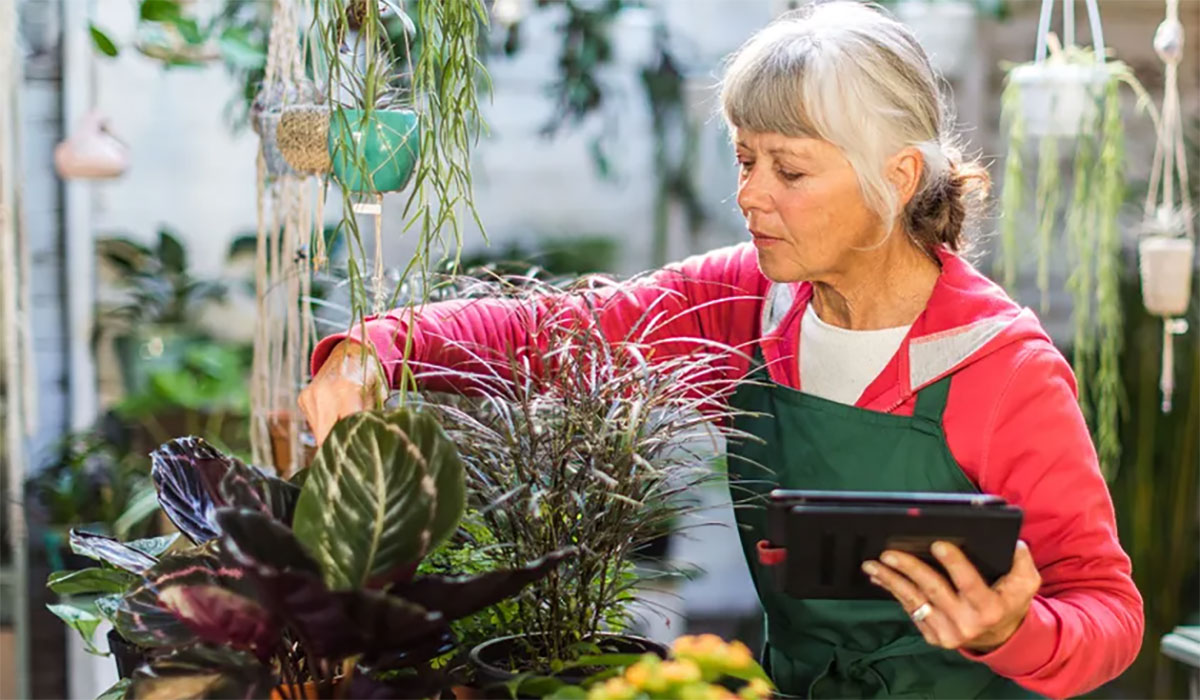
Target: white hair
column 847, row 73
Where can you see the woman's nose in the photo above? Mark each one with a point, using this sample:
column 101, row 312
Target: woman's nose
column 751, row 194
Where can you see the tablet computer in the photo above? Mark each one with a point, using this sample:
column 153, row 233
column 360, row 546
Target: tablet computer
column 818, row 540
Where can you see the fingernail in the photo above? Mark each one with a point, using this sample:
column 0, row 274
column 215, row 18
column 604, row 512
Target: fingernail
column 876, row 582
column 870, row 569
column 889, row 559
column 940, row 549
column 1022, row 545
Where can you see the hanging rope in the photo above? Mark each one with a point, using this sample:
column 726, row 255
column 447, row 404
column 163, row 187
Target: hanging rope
column 286, row 222
column 1167, row 260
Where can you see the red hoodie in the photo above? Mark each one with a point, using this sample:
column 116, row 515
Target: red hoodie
column 1012, row 422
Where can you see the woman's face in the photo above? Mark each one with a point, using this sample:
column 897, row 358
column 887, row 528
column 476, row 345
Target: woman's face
column 803, row 207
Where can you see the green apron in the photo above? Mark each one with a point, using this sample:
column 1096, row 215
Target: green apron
column 847, row 648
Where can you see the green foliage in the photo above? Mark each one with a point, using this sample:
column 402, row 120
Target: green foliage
column 578, row 445
column 473, row 549
column 177, row 33
column 384, row 490
column 91, row 482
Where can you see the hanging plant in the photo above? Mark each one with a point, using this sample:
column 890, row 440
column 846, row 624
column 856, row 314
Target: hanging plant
column 1068, row 101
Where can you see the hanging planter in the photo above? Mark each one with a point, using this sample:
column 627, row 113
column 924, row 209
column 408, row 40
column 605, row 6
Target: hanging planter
column 1061, row 90
column 302, row 135
column 376, row 152
column 92, row 152
column 1059, row 97
column 1167, row 249
column 1166, row 263
column 1068, row 103
column 264, row 119
column 945, row 28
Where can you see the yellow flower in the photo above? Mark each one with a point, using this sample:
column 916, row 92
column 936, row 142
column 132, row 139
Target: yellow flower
column 682, row 671
column 756, row 689
column 612, row 689
column 738, row 656
column 637, row 675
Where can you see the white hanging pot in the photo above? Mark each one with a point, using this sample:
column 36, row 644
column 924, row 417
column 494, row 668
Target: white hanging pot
column 91, row 152
column 1060, row 97
column 945, row 28
column 1166, row 263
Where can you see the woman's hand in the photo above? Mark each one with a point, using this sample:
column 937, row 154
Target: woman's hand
column 351, row 380
column 968, row 614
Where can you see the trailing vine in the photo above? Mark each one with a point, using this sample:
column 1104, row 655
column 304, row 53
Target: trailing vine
column 1092, row 234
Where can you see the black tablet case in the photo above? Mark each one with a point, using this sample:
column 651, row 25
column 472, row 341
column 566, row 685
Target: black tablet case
column 829, row 534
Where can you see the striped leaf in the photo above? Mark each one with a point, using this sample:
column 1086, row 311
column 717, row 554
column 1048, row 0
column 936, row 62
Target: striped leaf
column 384, row 489
column 110, row 551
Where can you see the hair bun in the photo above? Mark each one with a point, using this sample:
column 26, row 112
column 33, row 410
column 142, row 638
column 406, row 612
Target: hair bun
column 937, row 215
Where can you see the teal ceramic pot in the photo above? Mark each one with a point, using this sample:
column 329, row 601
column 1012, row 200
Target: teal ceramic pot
column 385, row 149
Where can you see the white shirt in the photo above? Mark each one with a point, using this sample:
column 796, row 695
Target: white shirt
column 838, row 364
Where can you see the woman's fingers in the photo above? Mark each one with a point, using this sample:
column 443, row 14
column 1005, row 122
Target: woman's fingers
column 966, row 578
column 932, row 585
column 933, row 623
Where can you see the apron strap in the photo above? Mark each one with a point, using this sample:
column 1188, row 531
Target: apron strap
column 931, row 401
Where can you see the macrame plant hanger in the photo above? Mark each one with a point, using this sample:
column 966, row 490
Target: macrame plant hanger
column 1167, row 247
column 290, row 213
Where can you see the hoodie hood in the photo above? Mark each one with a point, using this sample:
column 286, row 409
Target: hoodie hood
column 968, row 317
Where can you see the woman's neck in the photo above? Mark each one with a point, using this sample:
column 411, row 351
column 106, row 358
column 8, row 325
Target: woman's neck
column 882, row 288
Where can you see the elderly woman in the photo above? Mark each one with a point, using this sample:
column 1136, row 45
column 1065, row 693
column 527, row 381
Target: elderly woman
column 891, row 364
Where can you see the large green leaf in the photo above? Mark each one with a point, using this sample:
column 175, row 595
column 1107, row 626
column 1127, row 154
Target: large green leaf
column 384, row 489
column 83, row 619
column 92, row 580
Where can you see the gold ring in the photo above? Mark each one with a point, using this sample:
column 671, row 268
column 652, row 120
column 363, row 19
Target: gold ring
column 921, row 612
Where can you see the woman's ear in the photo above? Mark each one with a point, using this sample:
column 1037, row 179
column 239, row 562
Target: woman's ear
column 904, row 171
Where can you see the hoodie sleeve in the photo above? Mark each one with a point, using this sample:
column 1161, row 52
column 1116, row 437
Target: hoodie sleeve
column 1085, row 625
column 707, row 298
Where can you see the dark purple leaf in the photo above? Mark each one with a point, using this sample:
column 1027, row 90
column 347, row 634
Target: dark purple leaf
column 246, row 487
column 110, row 551
column 457, row 597
column 188, row 472
column 257, row 541
column 308, row 606
column 220, row 616
column 388, row 624
column 146, row 620
column 202, row 672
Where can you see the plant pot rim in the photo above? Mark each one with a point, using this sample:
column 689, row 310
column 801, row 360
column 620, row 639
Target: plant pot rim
column 476, row 652
column 1034, row 71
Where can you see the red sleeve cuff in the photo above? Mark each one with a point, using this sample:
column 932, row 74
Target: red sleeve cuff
column 1030, row 648
column 382, row 333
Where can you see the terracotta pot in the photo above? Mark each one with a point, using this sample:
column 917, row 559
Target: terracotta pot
column 92, row 151
column 281, row 448
column 466, row 692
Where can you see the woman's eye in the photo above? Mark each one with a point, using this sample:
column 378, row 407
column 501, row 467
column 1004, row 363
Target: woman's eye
column 790, row 176
column 745, row 165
